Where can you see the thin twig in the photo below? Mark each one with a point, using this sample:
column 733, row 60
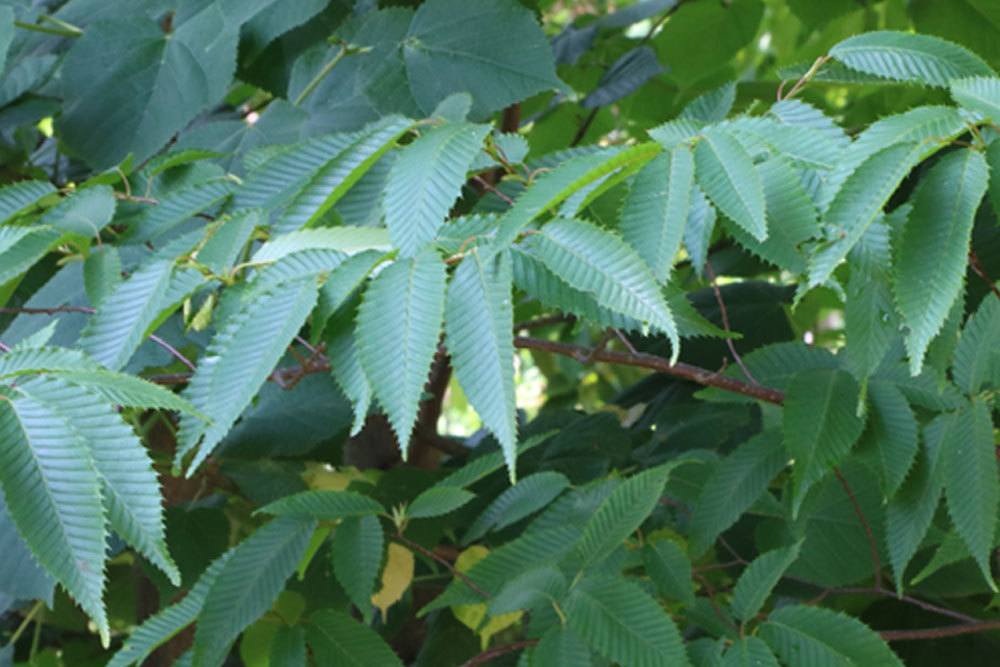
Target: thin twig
column 977, row 267
column 725, row 323
column 320, row 75
column 652, row 362
column 172, row 351
column 872, row 544
column 486, row 185
column 939, row 633
column 497, row 651
column 3, row 347
column 444, row 563
column 48, row 311
column 807, row 77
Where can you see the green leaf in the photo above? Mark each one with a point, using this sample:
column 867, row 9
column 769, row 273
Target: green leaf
column 713, row 106
column 345, row 365
column 327, row 185
column 426, row 180
column 102, row 273
column 443, row 57
column 489, row 463
column 248, row 584
column 560, row 646
column 540, row 283
column 21, row 247
column 357, row 552
column 177, row 208
column 161, row 627
column 31, row 360
column 129, row 485
column 324, row 505
column 656, row 209
column 892, row 428
column 909, row 57
column 529, row 495
column 536, row 588
column 870, row 312
column 749, row 652
column 348, row 240
column 289, row 647
column 52, row 491
column 6, row 34
column 227, row 240
column 621, row 514
column 699, row 230
column 977, row 358
column 933, row 246
column 85, row 212
column 791, row 216
column 670, row 569
column 479, row 324
column 21, row 197
column 803, row 146
column 909, row 514
column 399, row 324
column 127, row 390
column 438, row 501
column 859, row 202
column 758, row 580
column 130, row 86
column 124, row 317
column 554, row 187
column 727, row 175
column 621, row 622
column 337, row 639
column 278, row 174
column 733, row 487
column 971, row 485
column 818, row 636
column 342, row 283
column 820, row 424
column 980, row 94
column 595, row 261
column 623, row 77
column 238, row 361
column 929, row 126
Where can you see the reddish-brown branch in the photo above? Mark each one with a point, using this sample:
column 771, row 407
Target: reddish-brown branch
column 977, row 267
column 939, row 633
column 652, row 362
column 497, row 651
column 872, row 544
column 724, row 312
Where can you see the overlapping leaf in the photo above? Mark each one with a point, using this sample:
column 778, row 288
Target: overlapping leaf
column 425, row 181
column 399, row 325
column 933, row 247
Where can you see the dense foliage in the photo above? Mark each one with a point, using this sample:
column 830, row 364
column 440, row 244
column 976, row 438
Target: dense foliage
column 539, row 333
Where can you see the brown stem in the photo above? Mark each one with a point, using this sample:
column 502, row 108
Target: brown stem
column 724, row 312
column 939, row 633
column 497, row 651
column 872, row 544
column 652, row 362
column 444, row 563
column 977, row 267
column 47, row 311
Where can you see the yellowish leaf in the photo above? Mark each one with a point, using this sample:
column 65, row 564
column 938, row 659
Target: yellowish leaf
column 473, row 615
column 396, row 578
